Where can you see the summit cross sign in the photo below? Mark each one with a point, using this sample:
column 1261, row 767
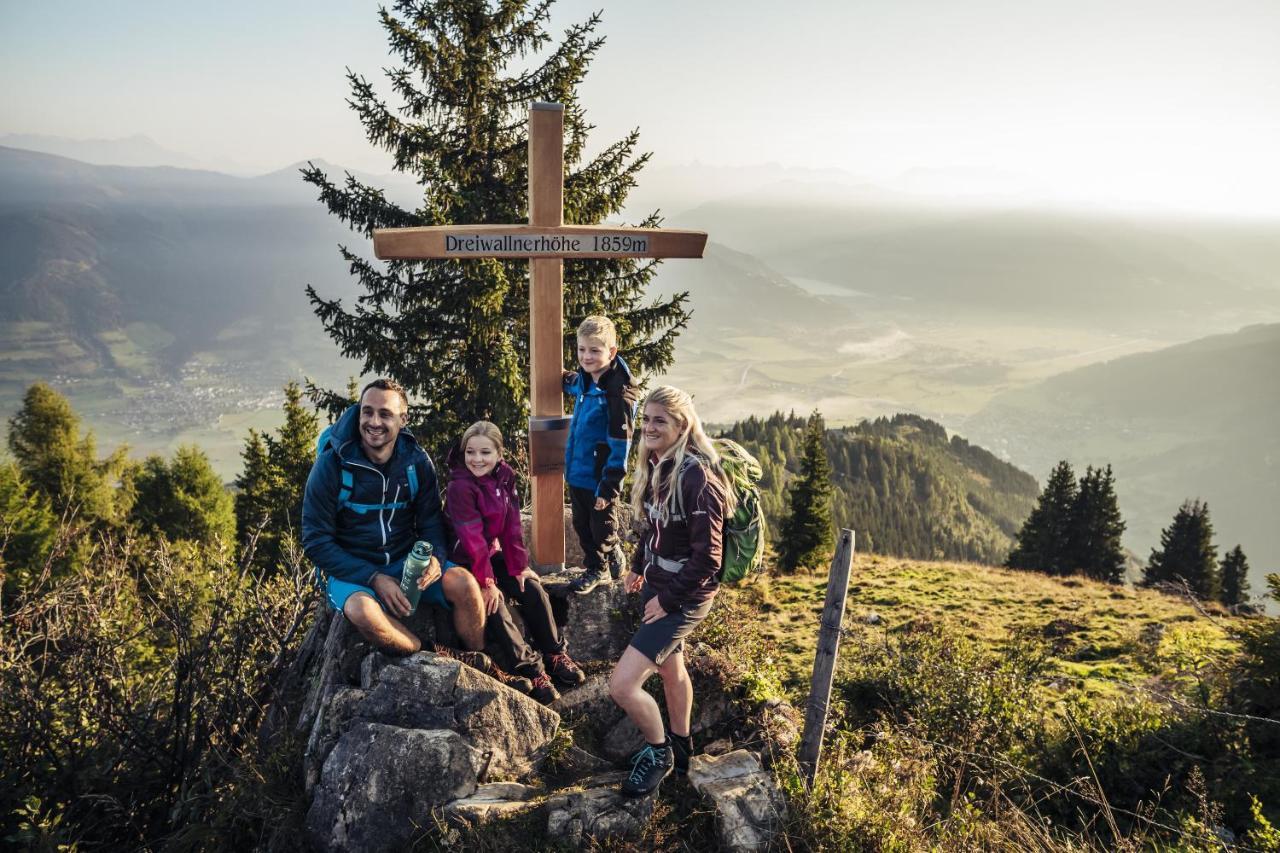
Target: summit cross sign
column 546, row 241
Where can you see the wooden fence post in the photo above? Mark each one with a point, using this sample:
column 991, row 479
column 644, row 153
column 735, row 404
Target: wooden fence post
column 824, row 660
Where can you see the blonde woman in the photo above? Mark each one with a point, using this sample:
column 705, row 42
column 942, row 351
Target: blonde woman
column 683, row 496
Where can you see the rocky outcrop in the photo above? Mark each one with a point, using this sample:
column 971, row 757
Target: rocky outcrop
column 597, row 812
column 392, row 739
column 380, row 783
column 493, row 801
column 749, row 807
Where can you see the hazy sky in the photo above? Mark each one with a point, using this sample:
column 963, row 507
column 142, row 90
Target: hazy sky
column 1134, row 102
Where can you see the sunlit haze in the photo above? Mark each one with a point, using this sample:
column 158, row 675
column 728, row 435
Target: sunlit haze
column 1164, row 105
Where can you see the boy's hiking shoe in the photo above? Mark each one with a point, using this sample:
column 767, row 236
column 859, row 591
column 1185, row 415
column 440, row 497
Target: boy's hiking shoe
column 543, row 690
column 483, row 663
column 681, row 750
column 649, row 767
column 589, row 580
column 563, row 670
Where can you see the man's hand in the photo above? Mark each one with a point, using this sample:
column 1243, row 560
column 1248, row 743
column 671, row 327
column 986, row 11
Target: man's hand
column 432, row 573
column 389, row 593
column 653, row 611
column 601, row 503
column 631, row 393
column 566, row 375
column 633, row 582
column 492, row 597
column 527, row 574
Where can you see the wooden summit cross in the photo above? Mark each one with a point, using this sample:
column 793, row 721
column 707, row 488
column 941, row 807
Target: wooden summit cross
column 546, row 241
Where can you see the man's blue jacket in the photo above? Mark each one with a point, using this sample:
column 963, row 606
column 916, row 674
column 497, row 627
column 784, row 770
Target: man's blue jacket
column 359, row 518
column 595, row 456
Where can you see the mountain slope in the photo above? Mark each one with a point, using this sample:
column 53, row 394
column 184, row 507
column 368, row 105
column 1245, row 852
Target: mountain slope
column 901, row 484
column 1195, row 420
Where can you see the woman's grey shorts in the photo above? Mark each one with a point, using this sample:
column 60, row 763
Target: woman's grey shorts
column 657, row 640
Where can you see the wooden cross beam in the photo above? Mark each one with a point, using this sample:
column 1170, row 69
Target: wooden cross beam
column 546, row 241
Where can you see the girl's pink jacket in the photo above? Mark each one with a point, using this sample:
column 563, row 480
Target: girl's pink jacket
column 485, row 513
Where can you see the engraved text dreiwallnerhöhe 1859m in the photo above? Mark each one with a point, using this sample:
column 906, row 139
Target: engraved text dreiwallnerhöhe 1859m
column 544, row 244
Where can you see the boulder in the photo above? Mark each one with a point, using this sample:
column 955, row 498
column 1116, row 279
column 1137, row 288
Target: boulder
column 749, row 807
column 589, row 703
column 622, row 741
column 380, row 783
column 495, row 800
column 425, row 691
column 598, row 625
column 597, row 812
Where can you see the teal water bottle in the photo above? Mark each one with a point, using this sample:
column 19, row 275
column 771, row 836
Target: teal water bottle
column 414, row 566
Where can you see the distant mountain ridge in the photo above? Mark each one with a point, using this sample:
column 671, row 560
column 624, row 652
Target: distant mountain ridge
column 1194, row 420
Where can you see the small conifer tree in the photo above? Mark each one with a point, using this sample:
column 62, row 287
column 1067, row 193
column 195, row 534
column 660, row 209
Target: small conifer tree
column 806, row 536
column 60, row 463
column 1186, row 553
column 1235, row 578
column 1044, row 540
column 183, row 499
column 268, row 506
column 1096, row 527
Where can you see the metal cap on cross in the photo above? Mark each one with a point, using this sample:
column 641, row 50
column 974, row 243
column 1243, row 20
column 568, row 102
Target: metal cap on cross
column 546, row 241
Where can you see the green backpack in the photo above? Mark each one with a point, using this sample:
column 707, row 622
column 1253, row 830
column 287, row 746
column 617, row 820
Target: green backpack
column 744, row 531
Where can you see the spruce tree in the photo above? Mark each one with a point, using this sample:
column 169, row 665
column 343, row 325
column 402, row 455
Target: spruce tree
column 183, row 499
column 1044, row 542
column 806, row 535
column 455, row 333
column 1096, row 527
column 60, row 463
column 27, row 530
column 1235, row 578
column 1186, row 553
column 268, row 507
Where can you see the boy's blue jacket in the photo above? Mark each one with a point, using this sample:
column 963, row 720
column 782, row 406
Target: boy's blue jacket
column 595, row 456
column 358, row 518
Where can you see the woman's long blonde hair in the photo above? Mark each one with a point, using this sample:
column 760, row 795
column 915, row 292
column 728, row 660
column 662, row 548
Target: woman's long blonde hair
column 692, row 441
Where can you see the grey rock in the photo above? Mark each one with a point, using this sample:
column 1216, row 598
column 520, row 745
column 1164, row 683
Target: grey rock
column 598, row 625
column 578, row 762
column 597, row 812
column 749, row 807
column 871, row 618
column 622, row 741
column 330, row 722
column 590, row 702
column 380, row 783
column 495, row 800
column 515, row 729
column 718, row 747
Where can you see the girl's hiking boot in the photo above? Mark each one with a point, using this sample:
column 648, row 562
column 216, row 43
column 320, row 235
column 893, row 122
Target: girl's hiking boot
column 589, row 580
column 682, row 751
column 563, row 671
column 543, row 690
column 483, row 663
column 649, row 767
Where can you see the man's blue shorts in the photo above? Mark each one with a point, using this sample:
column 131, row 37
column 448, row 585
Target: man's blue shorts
column 339, row 590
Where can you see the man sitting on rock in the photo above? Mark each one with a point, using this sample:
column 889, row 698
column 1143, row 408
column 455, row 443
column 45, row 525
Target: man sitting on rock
column 371, row 494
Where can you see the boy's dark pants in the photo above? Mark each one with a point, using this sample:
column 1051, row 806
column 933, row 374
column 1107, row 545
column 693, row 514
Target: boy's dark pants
column 597, row 529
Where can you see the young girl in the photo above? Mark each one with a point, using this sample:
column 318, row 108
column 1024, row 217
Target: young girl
column 481, row 503
column 683, row 495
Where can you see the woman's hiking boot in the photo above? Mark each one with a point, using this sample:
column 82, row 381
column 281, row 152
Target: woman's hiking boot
column 563, row 670
column 649, row 767
column 543, row 690
column 483, row 663
column 589, row 580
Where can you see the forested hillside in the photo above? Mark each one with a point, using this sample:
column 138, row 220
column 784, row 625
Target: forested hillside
column 902, row 484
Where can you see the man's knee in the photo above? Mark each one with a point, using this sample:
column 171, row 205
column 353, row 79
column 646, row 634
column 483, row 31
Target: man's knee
column 361, row 609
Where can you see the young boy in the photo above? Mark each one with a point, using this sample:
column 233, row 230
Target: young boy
column 596, row 454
